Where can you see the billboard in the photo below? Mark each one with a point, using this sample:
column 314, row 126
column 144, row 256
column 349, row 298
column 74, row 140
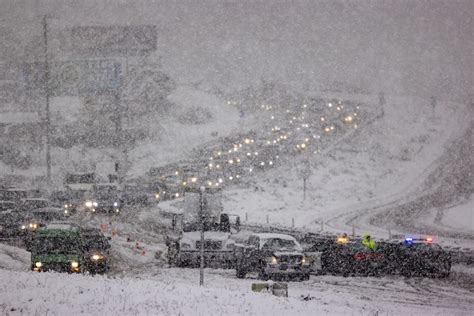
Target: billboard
column 75, row 78
column 113, row 40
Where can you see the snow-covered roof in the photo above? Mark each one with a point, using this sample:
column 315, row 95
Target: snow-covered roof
column 36, row 199
column 266, row 236
column 106, row 185
column 47, row 210
column 64, row 226
column 16, row 190
column 194, row 236
column 79, row 186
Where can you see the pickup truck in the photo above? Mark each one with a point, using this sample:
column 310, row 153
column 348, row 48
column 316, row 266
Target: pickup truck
column 272, row 256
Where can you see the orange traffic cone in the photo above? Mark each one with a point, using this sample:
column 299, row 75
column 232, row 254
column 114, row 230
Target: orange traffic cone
column 143, row 252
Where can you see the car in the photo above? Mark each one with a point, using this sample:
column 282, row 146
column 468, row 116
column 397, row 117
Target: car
column 63, row 199
column 43, row 216
column 106, row 197
column 272, row 256
column 15, row 195
column 11, row 225
column 420, row 257
column 7, row 205
column 96, row 250
column 134, row 195
column 33, row 204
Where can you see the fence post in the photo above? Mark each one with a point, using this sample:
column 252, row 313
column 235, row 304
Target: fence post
column 292, row 222
column 267, row 219
column 389, row 234
column 353, row 231
column 246, row 217
column 322, row 225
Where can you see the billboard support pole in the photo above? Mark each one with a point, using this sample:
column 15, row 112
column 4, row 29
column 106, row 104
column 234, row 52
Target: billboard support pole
column 48, row 119
column 201, row 250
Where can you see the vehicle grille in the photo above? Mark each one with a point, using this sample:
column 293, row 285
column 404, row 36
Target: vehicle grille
column 288, row 259
column 209, row 244
column 56, row 266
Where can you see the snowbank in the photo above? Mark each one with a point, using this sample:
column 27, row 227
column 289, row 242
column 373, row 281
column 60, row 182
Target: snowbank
column 176, row 292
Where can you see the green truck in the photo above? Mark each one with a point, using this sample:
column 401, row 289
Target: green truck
column 57, row 247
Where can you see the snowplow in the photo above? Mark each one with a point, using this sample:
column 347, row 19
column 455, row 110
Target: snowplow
column 184, row 248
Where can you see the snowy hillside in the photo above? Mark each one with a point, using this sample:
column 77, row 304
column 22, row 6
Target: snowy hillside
column 381, row 163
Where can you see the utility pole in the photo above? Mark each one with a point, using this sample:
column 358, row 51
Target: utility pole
column 201, row 218
column 48, row 119
column 305, row 172
column 304, row 188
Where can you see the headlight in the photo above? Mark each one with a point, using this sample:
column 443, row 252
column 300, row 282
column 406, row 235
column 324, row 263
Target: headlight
column 66, row 206
column 117, row 210
column 88, row 204
column 157, row 196
column 23, row 226
column 96, row 257
column 95, row 204
column 38, row 264
column 74, row 264
column 65, row 211
column 272, row 260
column 115, row 204
column 305, row 261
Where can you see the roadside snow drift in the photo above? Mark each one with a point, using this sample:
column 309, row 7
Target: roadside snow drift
column 176, row 292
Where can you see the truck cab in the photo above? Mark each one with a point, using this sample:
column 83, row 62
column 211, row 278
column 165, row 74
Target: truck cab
column 57, row 247
column 272, row 256
column 96, row 250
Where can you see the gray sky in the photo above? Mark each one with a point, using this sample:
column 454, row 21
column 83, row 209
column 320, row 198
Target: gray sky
column 403, row 47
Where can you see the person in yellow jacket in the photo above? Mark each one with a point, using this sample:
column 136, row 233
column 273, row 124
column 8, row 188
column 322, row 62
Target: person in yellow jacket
column 368, row 242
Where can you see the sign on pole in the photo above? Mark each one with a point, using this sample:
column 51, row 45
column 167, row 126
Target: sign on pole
column 113, row 40
column 75, row 78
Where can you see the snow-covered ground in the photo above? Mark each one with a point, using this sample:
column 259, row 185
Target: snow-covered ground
column 172, row 291
column 460, row 216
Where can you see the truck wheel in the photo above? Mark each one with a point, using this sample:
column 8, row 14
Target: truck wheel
column 305, row 277
column 263, row 276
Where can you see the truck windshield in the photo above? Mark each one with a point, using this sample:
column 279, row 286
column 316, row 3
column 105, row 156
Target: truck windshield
column 35, row 204
column 95, row 243
column 106, row 192
column 48, row 216
column 277, row 244
column 56, row 244
column 80, row 178
column 14, row 195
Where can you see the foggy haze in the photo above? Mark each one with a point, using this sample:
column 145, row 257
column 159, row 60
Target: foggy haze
column 418, row 48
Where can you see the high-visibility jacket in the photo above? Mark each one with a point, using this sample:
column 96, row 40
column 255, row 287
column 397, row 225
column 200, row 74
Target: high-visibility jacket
column 368, row 242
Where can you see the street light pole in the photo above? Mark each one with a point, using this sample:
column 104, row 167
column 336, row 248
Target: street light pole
column 201, row 218
column 48, row 119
